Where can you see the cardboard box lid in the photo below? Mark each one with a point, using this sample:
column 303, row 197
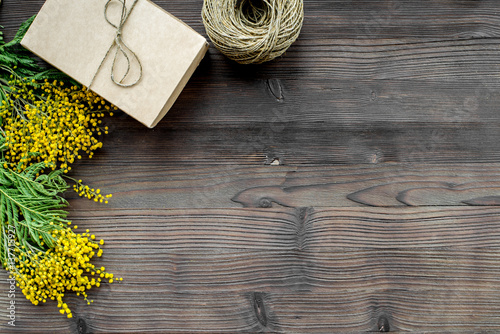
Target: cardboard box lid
column 74, row 36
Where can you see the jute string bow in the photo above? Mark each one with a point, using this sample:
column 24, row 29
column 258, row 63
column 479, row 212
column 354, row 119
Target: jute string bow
column 121, row 47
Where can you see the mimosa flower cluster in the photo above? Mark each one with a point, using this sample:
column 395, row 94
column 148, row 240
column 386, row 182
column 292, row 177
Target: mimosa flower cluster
column 51, row 122
column 91, row 193
column 63, row 267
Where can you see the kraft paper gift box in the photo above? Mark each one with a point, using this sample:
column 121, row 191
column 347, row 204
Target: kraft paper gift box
column 82, row 37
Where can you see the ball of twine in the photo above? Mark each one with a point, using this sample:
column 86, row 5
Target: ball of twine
column 253, row 31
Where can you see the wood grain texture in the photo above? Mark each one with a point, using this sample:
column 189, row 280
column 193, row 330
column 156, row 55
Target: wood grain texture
column 295, row 271
column 341, row 19
column 383, row 116
column 382, row 185
column 437, row 311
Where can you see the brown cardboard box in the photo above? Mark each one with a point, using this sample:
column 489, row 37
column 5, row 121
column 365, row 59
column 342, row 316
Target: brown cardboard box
column 75, row 37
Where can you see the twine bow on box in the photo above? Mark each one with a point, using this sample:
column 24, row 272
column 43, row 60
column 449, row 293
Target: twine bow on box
column 121, row 47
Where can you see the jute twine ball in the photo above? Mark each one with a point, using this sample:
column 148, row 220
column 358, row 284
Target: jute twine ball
column 253, row 31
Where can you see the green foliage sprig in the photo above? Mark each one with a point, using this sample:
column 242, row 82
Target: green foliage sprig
column 13, row 55
column 31, row 205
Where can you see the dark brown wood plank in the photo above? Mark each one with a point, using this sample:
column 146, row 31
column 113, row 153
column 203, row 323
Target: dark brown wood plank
column 304, row 229
column 304, row 144
column 320, row 122
column 347, row 103
column 384, row 185
column 442, row 311
column 341, row 19
column 242, row 270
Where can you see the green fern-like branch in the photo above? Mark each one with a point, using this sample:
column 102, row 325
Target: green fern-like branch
column 30, row 202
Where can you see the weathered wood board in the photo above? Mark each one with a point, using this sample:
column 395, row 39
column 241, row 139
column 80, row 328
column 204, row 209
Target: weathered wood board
column 353, row 185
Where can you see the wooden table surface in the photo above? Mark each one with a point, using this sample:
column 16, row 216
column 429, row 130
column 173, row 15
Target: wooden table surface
column 353, row 185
